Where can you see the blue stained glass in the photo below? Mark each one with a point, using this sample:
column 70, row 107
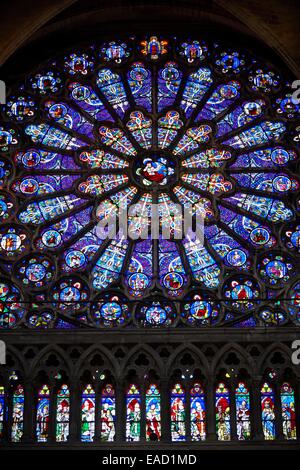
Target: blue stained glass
column 42, row 160
column 204, row 267
column 53, row 137
column 232, row 253
column 169, row 79
column 265, row 207
column 39, row 184
column 261, row 134
column 267, row 412
column 242, row 403
column 153, row 417
column 253, row 232
column 119, row 126
column 139, row 78
column 64, row 115
column 55, row 235
column 198, row 413
column 178, row 414
column 42, row 414
column 139, row 273
column 220, row 100
column 287, row 396
column 88, row 406
column 198, row 83
column 272, row 157
column 171, row 271
column 109, row 265
column 86, row 98
column 240, row 116
column 267, row 182
column 38, row 212
column 63, row 414
column 17, row 414
column 111, row 86
column 108, row 414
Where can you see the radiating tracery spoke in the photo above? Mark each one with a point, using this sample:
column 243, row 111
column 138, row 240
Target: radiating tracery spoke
column 123, row 126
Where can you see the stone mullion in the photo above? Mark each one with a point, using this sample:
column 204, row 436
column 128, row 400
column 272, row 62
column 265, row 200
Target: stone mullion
column 74, row 412
column 165, row 411
column 98, row 426
column 143, row 411
column 120, row 412
column 233, row 426
column 30, row 397
column 277, row 410
column 255, row 410
column 210, row 410
column 52, row 412
column 188, row 411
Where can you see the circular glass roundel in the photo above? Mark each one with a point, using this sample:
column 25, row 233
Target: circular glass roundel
column 242, row 293
column 110, row 310
column 200, row 309
column 12, row 310
column 70, row 294
column 156, row 314
column 276, row 269
column 35, row 271
column 195, row 127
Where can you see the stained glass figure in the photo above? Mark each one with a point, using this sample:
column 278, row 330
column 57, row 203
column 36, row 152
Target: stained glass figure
column 43, row 414
column 108, row 413
column 153, row 414
column 198, row 413
column 17, row 414
column 242, row 403
column 178, row 413
column 222, row 402
column 288, row 411
column 268, row 412
column 62, row 414
column 133, row 413
column 88, row 414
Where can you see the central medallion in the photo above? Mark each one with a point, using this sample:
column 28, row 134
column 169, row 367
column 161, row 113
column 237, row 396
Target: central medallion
column 155, row 170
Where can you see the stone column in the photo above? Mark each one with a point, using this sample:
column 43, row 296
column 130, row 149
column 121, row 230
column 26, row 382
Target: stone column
column 210, row 410
column 255, row 409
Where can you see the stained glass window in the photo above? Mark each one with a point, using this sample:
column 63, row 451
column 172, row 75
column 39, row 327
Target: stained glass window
column 88, row 405
column 223, row 413
column 108, row 413
column 133, row 413
column 153, row 414
column 136, row 122
column 62, row 414
column 2, row 410
column 43, row 414
column 268, row 412
column 17, row 414
column 198, row 413
column 178, row 413
column 242, row 401
column 288, row 411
